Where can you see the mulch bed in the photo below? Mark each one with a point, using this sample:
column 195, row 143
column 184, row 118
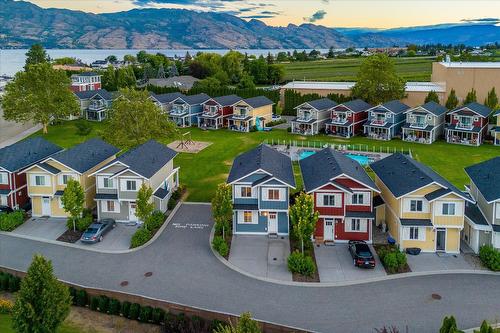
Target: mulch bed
column 70, row 236
column 295, row 245
column 404, row 269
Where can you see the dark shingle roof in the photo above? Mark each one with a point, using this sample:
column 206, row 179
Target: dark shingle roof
column 266, row 158
column 86, row 155
column 227, row 100
column 402, row 175
column 480, row 109
column 363, row 215
column 486, row 176
column 257, row 102
column 437, row 193
column 245, row 207
column 195, row 99
column 416, row 222
column 161, row 193
column 49, row 168
column 24, row 153
column 434, row 108
column 497, row 112
column 106, row 196
column 87, row 74
column 91, row 93
column 167, row 98
column 396, row 106
column 474, row 214
column 319, row 169
column 357, row 105
column 322, row 104
column 148, row 158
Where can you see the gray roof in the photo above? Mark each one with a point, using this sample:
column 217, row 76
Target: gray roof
column 195, row 99
column 486, row 177
column 321, row 168
column 245, row 207
column 86, row 155
column 480, row 109
column 49, row 168
column 395, row 106
column 322, row 104
column 106, row 196
column 88, row 74
column 416, row 222
column 91, row 93
column 357, row 105
column 161, row 193
column 474, row 214
column 402, row 175
column 363, row 215
column 227, row 100
column 497, row 112
column 434, row 108
column 437, row 194
column 148, row 158
column 257, row 102
column 24, row 153
column 167, row 98
column 265, row 158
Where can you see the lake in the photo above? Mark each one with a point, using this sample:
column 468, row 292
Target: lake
column 11, row 61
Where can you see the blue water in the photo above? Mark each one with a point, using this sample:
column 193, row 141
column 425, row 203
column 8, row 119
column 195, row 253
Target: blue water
column 306, row 153
column 361, row 159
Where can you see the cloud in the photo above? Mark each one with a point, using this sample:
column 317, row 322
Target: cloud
column 319, row 15
column 257, row 16
column 483, row 20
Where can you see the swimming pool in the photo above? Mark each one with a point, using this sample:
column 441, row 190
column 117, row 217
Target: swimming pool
column 361, row 159
column 306, row 153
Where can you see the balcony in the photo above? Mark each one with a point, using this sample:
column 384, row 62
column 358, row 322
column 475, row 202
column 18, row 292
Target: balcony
column 97, row 106
column 241, row 115
column 418, row 125
column 177, row 111
column 464, row 126
column 378, row 122
column 339, row 120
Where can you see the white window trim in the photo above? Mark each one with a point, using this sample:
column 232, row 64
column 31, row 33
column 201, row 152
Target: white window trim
column 4, row 175
column 3, row 200
column 363, row 225
column 241, row 217
column 125, row 181
column 273, row 189
column 237, row 192
column 337, row 200
column 421, row 234
column 47, row 180
column 104, row 206
column 454, row 208
column 366, row 199
column 61, row 177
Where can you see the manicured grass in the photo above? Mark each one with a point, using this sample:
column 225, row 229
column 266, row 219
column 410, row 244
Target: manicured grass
column 203, row 171
column 6, row 326
column 411, row 69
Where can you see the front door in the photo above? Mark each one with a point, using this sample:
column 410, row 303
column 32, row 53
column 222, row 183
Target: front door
column 441, row 240
column 328, row 230
column 46, row 206
column 131, row 211
column 272, row 223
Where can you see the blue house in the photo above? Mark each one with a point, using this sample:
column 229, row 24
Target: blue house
column 261, row 180
column 186, row 109
column 94, row 104
column 386, row 120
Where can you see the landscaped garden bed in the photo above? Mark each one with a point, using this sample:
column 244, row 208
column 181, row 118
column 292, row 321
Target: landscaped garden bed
column 393, row 260
column 10, row 221
column 70, row 236
column 308, row 253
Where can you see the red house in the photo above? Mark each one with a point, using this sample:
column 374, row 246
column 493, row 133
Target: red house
column 86, row 81
column 467, row 124
column 347, row 119
column 216, row 111
column 14, row 159
column 343, row 194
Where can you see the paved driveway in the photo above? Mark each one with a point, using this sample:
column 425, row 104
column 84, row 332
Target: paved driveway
column 186, row 272
column 335, row 264
column 428, row 262
column 261, row 256
column 117, row 239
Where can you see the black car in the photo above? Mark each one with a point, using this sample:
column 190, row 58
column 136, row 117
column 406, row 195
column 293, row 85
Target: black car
column 96, row 231
column 361, row 254
column 5, row 209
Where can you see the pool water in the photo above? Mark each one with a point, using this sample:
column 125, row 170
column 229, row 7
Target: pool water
column 306, row 153
column 361, row 159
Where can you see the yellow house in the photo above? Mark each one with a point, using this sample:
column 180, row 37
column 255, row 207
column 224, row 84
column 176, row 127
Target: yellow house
column 47, row 179
column 496, row 129
column 422, row 209
column 255, row 111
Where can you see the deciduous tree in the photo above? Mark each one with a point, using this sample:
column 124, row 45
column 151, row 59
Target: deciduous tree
column 222, row 208
column 73, row 200
column 145, row 206
column 303, row 218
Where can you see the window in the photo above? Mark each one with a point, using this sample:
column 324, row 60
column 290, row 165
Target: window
column 247, row 216
column 110, row 206
column 328, row 200
column 40, row 181
column 246, row 192
column 65, row 179
column 273, row 194
column 413, row 233
column 416, row 206
column 3, row 200
column 4, row 179
column 358, row 199
column 448, row 208
column 131, row 185
column 355, row 225
column 107, row 182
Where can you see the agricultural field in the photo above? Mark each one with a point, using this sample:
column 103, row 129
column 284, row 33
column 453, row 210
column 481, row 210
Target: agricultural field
column 411, row 69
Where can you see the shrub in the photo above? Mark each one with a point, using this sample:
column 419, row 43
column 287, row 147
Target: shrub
column 155, row 221
column 11, row 221
column 125, row 309
column 145, row 314
column 135, row 309
column 103, row 304
column 14, row 283
column 220, row 245
column 114, row 307
column 301, row 264
column 171, row 203
column 140, row 237
column 490, row 257
column 94, row 303
column 394, row 260
column 81, row 297
column 72, row 293
column 158, row 315
column 81, row 224
column 83, row 128
column 6, row 306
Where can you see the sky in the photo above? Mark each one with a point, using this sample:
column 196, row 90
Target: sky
column 331, row 13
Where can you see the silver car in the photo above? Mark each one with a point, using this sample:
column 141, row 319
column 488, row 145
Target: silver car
column 96, row 231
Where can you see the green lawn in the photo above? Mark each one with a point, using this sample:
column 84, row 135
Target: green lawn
column 6, row 326
column 203, row 171
column 411, row 69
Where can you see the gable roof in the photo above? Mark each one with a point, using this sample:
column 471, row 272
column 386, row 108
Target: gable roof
column 394, row 106
column 167, row 98
column 148, row 158
column 486, row 177
column 227, row 100
column 324, row 166
column 195, row 99
column 475, row 107
column 86, row 155
column 91, row 93
column 497, row 112
column 320, row 104
column 357, row 105
column 432, row 107
column 263, row 158
column 403, row 175
column 25, row 153
column 257, row 102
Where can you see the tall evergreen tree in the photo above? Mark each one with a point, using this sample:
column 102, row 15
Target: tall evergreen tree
column 491, row 100
column 471, row 97
column 452, row 101
column 222, row 209
column 432, row 96
column 36, row 55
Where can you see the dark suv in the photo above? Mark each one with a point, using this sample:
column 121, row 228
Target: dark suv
column 361, row 254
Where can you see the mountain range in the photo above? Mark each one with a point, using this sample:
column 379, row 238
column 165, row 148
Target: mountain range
column 24, row 24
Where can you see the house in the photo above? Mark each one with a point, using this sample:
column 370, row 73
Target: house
column 14, row 159
column 250, row 112
column 186, row 109
column 164, row 101
column 94, row 104
column 422, row 209
column 48, row 178
column 343, row 194
column 182, row 82
column 347, row 119
column 467, row 124
column 312, row 116
column 424, row 123
column 482, row 220
column 385, row 120
column 261, row 180
column 85, row 81
column 495, row 132
column 100, row 64
column 216, row 111
column 118, row 182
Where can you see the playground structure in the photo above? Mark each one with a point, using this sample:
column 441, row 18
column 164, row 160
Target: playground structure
column 185, row 144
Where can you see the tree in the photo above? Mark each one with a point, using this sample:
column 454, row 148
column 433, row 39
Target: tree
column 491, row 100
column 269, row 58
column 222, row 209
column 452, row 100
column 449, row 325
column 65, row 61
column 42, row 303
column 471, row 97
column 232, row 64
column 259, row 70
column 135, row 119
column 40, row 94
column 276, row 73
column 331, row 53
column 303, row 218
column 73, row 199
column 246, row 82
column 485, row 328
column 245, row 325
column 145, row 206
column 207, row 84
column 111, row 58
column 432, row 97
column 36, row 55
column 130, row 59
column 377, row 80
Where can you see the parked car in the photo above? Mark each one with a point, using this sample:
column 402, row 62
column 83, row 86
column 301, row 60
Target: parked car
column 5, row 209
column 361, row 254
column 96, row 231
column 276, row 117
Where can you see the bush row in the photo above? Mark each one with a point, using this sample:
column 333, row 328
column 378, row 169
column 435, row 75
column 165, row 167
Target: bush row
column 9, row 282
column 393, row 259
column 146, row 314
column 220, row 245
column 81, row 224
column 301, row 264
column 490, row 257
column 11, row 221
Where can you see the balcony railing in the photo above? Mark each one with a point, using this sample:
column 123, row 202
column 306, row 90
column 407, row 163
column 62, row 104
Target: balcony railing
column 304, row 119
column 466, row 126
column 418, row 125
column 175, row 112
column 378, row 122
column 97, row 106
column 210, row 113
column 241, row 115
column 339, row 120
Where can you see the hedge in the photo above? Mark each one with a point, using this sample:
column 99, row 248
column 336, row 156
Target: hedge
column 220, row 245
column 9, row 282
column 11, row 221
column 301, row 264
column 490, row 257
column 140, row 237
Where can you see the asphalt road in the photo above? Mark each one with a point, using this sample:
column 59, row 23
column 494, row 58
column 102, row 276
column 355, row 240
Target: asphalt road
column 185, row 271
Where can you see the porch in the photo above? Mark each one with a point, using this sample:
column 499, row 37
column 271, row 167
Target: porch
column 417, row 135
column 210, row 121
column 96, row 115
column 496, row 136
column 181, row 120
column 344, row 131
column 240, row 124
column 305, row 128
column 377, row 133
column 469, row 138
